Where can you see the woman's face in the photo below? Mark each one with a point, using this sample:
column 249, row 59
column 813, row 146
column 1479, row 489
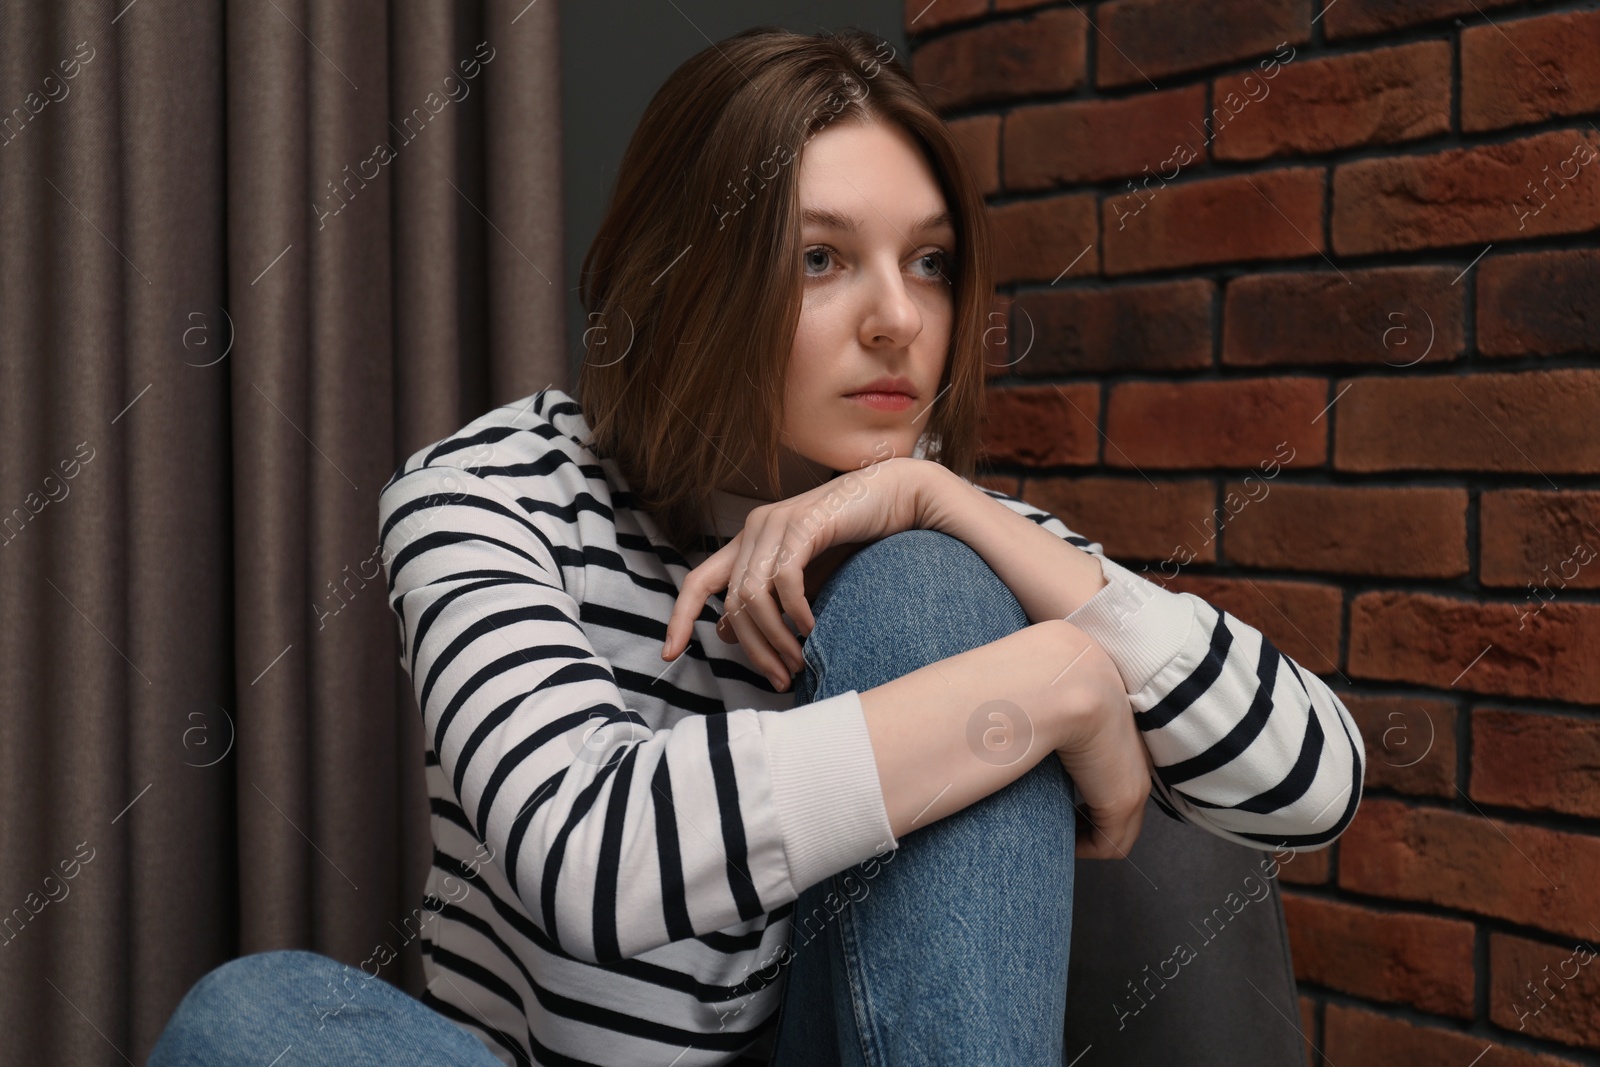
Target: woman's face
column 877, row 248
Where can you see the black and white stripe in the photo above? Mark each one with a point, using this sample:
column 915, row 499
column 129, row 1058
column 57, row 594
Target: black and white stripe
column 618, row 842
column 1246, row 743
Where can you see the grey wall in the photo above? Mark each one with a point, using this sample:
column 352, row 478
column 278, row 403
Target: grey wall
column 614, row 56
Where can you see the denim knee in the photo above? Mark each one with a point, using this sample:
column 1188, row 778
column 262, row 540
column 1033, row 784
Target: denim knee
column 921, row 578
column 282, row 966
column 907, row 600
column 262, row 976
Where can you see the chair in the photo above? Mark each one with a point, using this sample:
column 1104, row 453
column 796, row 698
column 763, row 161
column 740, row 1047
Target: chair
column 1138, row 999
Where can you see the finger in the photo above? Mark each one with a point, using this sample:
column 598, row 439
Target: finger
column 1102, row 842
column 1117, row 822
column 733, row 607
column 759, row 649
column 1135, row 826
column 1093, row 842
column 684, row 610
column 762, row 608
column 736, row 586
column 750, row 590
column 1114, row 822
column 758, row 597
column 1089, row 845
column 790, row 586
column 1113, row 779
column 1115, row 827
column 749, row 541
column 697, row 587
column 1106, row 837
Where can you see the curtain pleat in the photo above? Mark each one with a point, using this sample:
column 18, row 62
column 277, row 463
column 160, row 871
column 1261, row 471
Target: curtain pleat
column 226, row 315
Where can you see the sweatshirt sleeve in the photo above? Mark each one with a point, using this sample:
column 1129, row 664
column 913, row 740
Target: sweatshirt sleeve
column 616, row 837
column 1244, row 742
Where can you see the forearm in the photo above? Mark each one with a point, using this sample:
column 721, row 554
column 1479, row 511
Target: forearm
column 1245, row 742
column 1049, row 577
column 949, row 734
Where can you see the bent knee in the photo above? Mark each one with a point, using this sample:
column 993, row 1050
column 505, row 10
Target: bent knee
column 261, row 976
column 920, row 583
column 929, row 569
column 932, row 560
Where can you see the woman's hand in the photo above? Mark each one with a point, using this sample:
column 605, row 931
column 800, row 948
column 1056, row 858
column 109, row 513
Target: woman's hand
column 763, row 568
column 1102, row 750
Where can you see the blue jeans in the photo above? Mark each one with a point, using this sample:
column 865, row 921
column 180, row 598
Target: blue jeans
column 308, row 1008
column 951, row 949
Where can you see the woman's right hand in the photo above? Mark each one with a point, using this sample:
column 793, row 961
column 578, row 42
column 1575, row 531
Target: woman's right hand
column 1096, row 739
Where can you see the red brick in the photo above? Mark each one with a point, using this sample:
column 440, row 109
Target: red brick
column 1239, row 423
column 1300, row 618
column 1358, row 1038
column 1042, row 425
column 1163, row 326
column 998, row 353
column 1037, row 240
column 1186, row 532
column 1356, row 18
column 1388, row 96
column 1047, row 145
column 1544, row 990
column 1475, row 647
column 924, row 15
column 1130, row 517
column 1399, row 316
column 1540, row 542
column 1308, row 1026
column 1527, row 760
column 1043, row 53
column 1420, row 960
column 1539, row 303
column 1410, row 742
column 1309, row 868
column 1146, row 39
column 1524, row 874
column 978, row 138
column 1414, row 532
column 1466, row 195
column 1269, row 215
column 1528, row 70
column 1534, row 422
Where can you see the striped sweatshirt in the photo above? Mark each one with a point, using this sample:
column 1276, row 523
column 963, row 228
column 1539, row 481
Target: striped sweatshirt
column 619, row 841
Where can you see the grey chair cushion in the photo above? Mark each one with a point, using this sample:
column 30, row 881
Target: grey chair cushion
column 1192, row 922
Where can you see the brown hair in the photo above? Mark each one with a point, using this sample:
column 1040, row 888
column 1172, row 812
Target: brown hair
column 695, row 271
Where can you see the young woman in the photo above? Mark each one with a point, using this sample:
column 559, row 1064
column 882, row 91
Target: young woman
column 648, row 849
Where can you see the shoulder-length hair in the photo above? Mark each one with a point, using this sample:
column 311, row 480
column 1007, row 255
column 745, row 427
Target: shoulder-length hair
column 693, row 284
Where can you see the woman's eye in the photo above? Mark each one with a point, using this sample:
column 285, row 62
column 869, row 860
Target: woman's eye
column 933, row 266
column 941, row 264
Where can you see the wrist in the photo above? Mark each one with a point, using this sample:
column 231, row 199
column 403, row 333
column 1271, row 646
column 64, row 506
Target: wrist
column 1072, row 679
column 937, row 492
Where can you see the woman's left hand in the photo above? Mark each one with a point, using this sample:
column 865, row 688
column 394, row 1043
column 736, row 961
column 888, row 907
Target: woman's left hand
column 763, row 567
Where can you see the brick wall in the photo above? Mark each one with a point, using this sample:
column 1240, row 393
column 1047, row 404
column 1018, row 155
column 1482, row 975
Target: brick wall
column 1303, row 307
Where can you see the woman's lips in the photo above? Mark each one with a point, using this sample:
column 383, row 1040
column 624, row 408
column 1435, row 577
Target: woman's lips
column 883, row 401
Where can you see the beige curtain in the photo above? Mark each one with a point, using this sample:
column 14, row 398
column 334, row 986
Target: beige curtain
column 225, row 316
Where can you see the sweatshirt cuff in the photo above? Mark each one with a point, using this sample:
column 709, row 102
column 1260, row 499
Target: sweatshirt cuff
column 1141, row 626
column 825, row 784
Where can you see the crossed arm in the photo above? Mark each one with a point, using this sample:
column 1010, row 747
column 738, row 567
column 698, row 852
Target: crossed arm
column 1243, row 742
